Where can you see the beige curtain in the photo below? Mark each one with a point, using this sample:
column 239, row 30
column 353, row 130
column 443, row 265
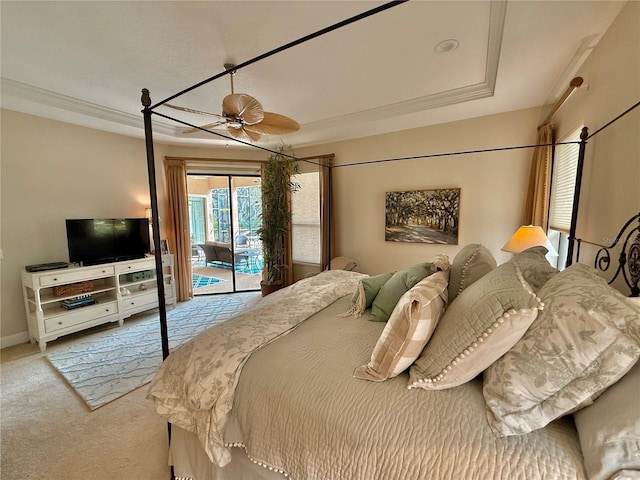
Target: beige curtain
column 179, row 232
column 326, row 245
column 537, row 204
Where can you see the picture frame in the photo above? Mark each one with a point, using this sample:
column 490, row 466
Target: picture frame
column 423, row 216
column 164, row 246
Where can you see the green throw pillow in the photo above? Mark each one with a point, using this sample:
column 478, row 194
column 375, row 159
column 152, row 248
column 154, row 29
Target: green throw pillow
column 394, row 288
column 366, row 292
column 370, row 288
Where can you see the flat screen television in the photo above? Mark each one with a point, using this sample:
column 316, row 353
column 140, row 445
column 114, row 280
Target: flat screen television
column 104, row 240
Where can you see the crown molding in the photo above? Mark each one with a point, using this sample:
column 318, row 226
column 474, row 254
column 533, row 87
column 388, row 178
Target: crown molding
column 42, row 97
column 484, row 89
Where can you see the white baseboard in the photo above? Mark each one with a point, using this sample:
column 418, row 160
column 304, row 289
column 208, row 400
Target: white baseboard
column 12, row 340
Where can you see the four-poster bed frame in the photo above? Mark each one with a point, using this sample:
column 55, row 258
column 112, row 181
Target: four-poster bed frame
column 632, row 247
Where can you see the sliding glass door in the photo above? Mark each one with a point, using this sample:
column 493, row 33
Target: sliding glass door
column 225, row 214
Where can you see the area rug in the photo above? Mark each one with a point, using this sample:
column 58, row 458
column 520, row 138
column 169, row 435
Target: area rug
column 103, row 370
column 200, row 281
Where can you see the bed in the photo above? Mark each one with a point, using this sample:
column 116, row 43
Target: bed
column 447, row 369
column 324, row 392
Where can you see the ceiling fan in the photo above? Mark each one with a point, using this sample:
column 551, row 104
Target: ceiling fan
column 244, row 116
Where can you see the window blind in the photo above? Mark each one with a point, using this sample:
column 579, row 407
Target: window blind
column 305, row 219
column 563, row 183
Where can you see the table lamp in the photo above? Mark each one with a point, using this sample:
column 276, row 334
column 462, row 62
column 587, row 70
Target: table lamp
column 528, row 236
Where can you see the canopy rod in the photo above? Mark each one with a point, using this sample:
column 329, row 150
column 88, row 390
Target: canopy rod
column 258, row 147
column 306, row 38
column 450, row 154
column 628, row 110
column 575, row 83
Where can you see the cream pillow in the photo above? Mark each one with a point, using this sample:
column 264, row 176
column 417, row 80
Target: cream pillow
column 609, row 430
column 469, row 265
column 478, row 328
column 586, row 338
column 409, row 328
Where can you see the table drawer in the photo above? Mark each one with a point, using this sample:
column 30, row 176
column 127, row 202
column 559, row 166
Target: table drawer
column 133, row 302
column 73, row 275
column 81, row 315
column 137, row 265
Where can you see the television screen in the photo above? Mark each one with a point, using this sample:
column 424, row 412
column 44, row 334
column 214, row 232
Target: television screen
column 104, row 240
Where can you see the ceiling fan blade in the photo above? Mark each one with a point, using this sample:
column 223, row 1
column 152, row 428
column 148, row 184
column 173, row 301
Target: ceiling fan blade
column 274, row 124
column 204, row 127
column 243, row 106
column 245, row 135
column 191, row 110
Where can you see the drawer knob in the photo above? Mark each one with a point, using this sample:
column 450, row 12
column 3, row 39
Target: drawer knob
column 59, row 323
column 55, row 279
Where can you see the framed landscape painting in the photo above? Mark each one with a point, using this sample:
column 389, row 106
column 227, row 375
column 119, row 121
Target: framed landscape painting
column 423, row 216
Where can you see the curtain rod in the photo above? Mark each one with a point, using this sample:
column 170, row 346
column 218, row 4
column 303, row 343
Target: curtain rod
column 326, row 155
column 575, row 83
column 204, row 160
column 329, row 156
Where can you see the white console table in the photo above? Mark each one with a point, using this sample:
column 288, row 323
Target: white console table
column 120, row 289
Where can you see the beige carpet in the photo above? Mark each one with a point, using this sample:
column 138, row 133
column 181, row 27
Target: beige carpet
column 47, row 432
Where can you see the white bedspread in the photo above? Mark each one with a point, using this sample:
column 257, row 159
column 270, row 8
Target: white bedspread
column 194, row 387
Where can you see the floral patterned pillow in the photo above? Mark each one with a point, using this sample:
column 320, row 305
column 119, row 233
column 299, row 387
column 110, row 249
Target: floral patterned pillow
column 535, row 267
column 586, row 338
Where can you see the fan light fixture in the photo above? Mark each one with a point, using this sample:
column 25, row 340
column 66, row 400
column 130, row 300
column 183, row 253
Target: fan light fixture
column 528, row 236
column 243, row 116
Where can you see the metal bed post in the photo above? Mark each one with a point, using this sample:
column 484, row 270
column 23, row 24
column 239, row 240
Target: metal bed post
column 329, row 215
column 155, row 222
column 584, row 134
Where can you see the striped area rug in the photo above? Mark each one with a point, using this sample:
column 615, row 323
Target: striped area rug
column 105, row 369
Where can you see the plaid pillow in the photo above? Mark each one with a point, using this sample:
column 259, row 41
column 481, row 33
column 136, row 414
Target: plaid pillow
column 408, row 330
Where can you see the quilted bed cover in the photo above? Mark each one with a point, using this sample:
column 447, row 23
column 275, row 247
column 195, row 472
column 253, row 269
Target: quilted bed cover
column 298, row 409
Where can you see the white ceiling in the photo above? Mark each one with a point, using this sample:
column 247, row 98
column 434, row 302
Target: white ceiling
column 86, row 62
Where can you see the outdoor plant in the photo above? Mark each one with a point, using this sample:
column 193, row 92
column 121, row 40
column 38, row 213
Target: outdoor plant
column 277, row 186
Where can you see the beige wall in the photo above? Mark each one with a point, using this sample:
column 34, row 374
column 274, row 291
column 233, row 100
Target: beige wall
column 493, row 185
column 52, row 171
column 611, row 181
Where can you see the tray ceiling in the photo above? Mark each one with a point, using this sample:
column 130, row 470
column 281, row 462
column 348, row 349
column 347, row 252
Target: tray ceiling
column 86, row 62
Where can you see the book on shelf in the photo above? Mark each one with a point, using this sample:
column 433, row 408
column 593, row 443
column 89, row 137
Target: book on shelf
column 80, row 301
